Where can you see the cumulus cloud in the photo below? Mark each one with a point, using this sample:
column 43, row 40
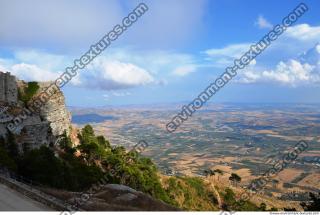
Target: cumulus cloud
column 291, row 73
column 304, row 32
column 108, row 75
column 263, row 23
column 105, row 75
column 27, row 72
column 118, row 69
column 31, row 72
column 305, row 69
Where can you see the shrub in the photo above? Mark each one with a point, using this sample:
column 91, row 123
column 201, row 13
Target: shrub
column 6, row 160
column 28, row 92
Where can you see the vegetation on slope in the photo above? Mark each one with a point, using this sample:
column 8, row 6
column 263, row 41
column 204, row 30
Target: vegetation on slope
column 77, row 168
column 190, row 193
column 231, row 203
column 77, row 172
column 28, row 92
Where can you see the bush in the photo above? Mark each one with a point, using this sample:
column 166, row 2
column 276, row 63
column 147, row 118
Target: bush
column 42, row 166
column 28, row 92
column 6, row 160
column 130, row 169
column 190, row 193
column 231, row 202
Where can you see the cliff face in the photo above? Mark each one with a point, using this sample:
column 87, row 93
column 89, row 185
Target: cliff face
column 55, row 112
column 31, row 129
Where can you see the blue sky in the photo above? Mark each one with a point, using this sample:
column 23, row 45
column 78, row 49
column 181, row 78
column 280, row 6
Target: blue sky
column 170, row 55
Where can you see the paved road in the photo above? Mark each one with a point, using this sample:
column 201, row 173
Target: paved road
column 11, row 200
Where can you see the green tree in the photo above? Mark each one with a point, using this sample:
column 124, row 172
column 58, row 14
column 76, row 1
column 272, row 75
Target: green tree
column 87, row 133
column 92, row 147
column 66, row 144
column 220, row 172
column 234, row 178
column 6, row 160
column 89, row 151
column 42, row 166
column 103, row 142
column 11, row 146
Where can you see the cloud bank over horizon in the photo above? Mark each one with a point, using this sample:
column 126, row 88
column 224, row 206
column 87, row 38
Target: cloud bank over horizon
column 171, row 51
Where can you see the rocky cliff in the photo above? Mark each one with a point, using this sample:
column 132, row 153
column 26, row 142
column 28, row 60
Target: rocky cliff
column 31, row 129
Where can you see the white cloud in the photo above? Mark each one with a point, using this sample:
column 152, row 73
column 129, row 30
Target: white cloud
column 303, row 36
column 234, row 50
column 117, row 69
column 107, row 75
column 291, row 73
column 222, row 57
column 294, row 72
column 32, row 72
column 27, row 72
column 103, row 73
column 304, row 32
column 263, row 23
column 185, row 70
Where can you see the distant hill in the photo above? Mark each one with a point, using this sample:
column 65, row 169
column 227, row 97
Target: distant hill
column 91, row 118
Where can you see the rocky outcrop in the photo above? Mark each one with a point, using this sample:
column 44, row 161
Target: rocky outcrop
column 55, row 112
column 112, row 197
column 32, row 129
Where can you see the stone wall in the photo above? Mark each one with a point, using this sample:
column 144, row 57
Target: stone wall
column 8, row 88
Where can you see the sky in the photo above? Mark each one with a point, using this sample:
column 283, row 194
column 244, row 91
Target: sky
column 171, row 54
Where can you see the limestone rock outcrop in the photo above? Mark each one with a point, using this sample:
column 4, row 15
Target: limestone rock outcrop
column 31, row 129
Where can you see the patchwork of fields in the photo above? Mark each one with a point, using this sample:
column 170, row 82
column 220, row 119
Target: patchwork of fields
column 242, row 139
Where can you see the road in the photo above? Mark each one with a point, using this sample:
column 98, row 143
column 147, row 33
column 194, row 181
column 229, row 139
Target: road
column 11, row 200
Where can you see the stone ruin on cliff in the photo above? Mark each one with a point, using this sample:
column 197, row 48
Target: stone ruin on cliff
column 35, row 128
